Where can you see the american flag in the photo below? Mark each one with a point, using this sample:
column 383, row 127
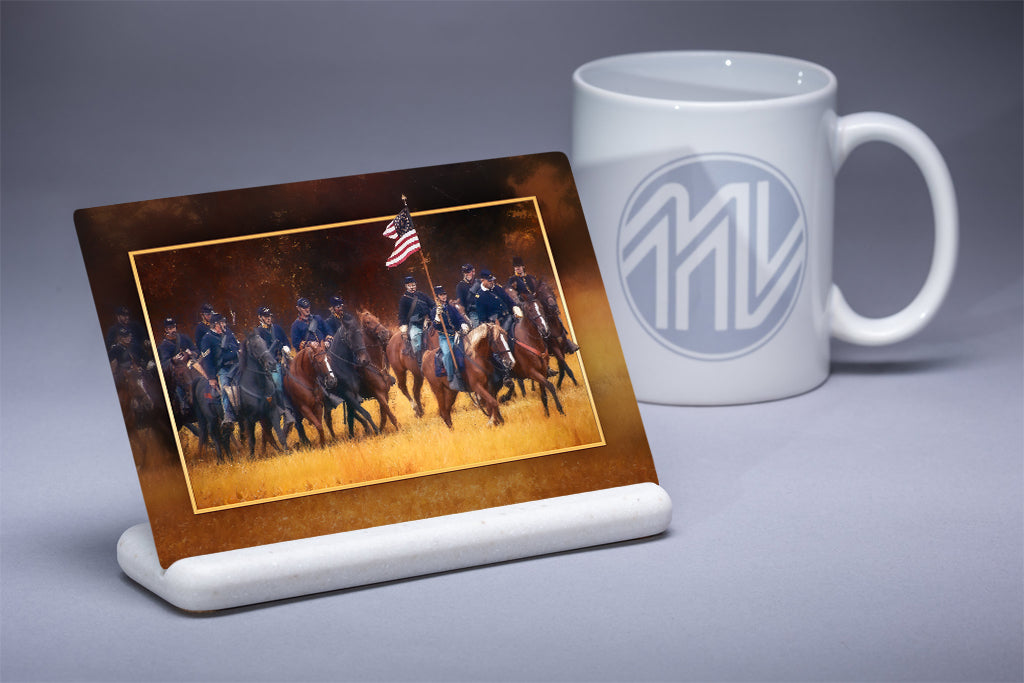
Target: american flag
column 407, row 242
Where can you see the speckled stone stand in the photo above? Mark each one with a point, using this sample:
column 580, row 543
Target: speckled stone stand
column 398, row 551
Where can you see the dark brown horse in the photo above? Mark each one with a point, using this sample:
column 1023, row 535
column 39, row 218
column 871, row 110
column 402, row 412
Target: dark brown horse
column 483, row 345
column 347, row 354
column 302, row 382
column 531, row 334
column 558, row 339
column 145, row 413
column 375, row 380
column 254, row 395
column 199, row 403
column 403, row 364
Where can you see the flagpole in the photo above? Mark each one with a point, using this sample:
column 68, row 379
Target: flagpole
column 430, row 283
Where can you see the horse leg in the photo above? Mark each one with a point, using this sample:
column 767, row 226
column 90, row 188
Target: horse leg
column 250, row 434
column 546, row 385
column 280, row 433
column 360, row 413
column 400, row 374
column 417, row 390
column 445, row 401
column 329, row 421
column 385, row 411
column 269, row 429
column 202, row 441
column 563, row 368
column 305, row 412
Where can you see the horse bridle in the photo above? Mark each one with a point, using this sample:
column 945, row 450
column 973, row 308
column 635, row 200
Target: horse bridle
column 261, row 370
column 497, row 331
column 538, row 314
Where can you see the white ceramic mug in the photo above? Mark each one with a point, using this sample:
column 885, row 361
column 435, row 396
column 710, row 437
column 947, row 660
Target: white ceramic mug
column 707, row 180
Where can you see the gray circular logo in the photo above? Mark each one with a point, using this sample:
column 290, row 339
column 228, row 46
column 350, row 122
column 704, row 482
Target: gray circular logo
column 712, row 251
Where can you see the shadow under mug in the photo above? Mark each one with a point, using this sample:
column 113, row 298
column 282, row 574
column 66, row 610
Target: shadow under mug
column 708, row 182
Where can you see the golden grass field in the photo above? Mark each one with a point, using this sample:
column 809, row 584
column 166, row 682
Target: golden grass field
column 420, row 446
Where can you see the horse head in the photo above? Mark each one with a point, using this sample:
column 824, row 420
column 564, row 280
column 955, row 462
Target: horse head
column 499, row 346
column 135, row 383
column 257, row 350
column 534, row 312
column 374, row 329
column 356, row 341
column 321, row 364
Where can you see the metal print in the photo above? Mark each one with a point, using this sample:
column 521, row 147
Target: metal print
column 325, row 356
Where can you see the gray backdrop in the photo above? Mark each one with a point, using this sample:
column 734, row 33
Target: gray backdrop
column 869, row 530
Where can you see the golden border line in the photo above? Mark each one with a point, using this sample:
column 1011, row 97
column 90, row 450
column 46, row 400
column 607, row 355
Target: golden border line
column 328, row 226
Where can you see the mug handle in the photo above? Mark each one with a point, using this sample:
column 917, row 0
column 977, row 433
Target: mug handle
column 847, row 325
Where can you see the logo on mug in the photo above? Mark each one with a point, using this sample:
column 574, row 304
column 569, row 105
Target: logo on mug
column 712, row 251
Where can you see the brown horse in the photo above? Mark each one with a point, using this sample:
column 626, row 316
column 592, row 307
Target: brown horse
column 403, row 364
column 302, row 382
column 483, row 345
column 558, row 339
column 375, row 380
column 531, row 334
column 145, row 413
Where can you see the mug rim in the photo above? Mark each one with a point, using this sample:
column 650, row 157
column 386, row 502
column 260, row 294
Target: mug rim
column 829, row 86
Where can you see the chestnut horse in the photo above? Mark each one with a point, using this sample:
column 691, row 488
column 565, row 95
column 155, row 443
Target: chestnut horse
column 483, row 345
column 302, row 382
column 375, row 380
column 531, row 334
column 403, row 364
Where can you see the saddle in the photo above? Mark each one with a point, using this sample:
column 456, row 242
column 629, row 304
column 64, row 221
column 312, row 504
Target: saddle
column 460, row 361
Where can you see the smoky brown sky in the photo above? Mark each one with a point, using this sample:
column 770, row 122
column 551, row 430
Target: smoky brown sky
column 241, row 276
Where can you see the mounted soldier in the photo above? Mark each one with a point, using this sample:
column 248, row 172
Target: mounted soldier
column 493, row 304
column 139, row 339
column 277, row 344
column 219, row 350
column 123, row 352
column 528, row 288
column 175, row 349
column 521, row 282
column 449, row 323
column 203, row 326
column 414, row 309
column 174, row 346
column 308, row 327
column 468, row 286
column 339, row 317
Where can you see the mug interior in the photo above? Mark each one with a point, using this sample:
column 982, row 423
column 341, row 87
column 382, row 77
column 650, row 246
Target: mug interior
column 705, row 77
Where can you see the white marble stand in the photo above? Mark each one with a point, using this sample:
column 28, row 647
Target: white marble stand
column 355, row 558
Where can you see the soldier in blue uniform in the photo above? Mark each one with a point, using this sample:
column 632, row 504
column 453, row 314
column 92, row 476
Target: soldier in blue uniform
column 123, row 352
column 277, row 343
column 465, row 293
column 139, row 340
column 307, row 326
column 525, row 286
column 339, row 318
column 522, row 283
column 449, row 322
column 414, row 309
column 220, row 359
column 493, row 304
column 203, row 326
column 174, row 346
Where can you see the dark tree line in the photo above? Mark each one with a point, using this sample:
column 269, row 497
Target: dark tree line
column 240, row 276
